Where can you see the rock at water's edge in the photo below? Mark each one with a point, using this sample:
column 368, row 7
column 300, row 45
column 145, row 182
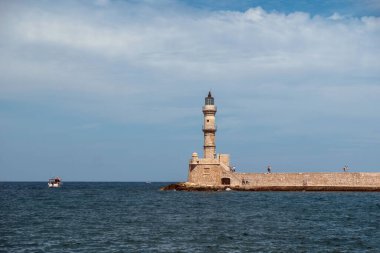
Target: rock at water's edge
column 193, row 187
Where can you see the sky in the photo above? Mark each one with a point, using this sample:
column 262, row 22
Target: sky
column 113, row 90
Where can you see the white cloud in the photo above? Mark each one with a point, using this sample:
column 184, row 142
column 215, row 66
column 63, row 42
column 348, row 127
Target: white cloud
column 114, row 53
column 336, row 16
column 214, row 38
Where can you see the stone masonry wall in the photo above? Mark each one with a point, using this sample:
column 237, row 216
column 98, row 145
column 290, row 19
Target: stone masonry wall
column 204, row 174
column 210, row 174
column 311, row 179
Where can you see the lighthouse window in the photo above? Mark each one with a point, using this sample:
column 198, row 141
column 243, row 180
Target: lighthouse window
column 209, row 101
column 208, row 120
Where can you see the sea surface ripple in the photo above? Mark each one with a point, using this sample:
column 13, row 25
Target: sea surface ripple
column 137, row 217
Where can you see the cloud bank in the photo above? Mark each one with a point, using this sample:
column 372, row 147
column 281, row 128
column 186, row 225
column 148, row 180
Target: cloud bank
column 282, row 76
column 135, row 50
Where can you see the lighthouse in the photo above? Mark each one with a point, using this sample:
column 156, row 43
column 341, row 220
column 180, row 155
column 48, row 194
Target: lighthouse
column 212, row 168
column 209, row 127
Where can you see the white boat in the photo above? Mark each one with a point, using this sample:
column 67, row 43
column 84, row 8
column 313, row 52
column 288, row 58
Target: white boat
column 54, row 182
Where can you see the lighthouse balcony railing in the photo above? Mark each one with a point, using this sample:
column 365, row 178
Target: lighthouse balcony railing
column 209, row 128
column 209, row 108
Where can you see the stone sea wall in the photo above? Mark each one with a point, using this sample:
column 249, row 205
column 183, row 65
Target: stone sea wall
column 288, row 182
column 310, row 179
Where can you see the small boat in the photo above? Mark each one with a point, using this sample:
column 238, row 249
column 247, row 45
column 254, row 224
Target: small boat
column 54, row 182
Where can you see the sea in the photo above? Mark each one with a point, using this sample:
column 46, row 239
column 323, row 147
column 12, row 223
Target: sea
column 138, row 217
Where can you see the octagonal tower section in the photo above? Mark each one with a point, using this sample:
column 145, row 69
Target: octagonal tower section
column 209, row 127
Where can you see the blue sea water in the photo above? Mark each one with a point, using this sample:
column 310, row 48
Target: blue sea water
column 137, row 217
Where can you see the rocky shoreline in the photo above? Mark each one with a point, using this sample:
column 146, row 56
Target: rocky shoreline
column 193, row 187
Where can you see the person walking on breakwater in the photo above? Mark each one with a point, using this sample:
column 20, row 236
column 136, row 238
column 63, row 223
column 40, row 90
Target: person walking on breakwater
column 269, row 169
column 345, row 168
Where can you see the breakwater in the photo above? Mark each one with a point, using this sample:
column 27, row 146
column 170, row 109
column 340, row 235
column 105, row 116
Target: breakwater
column 291, row 182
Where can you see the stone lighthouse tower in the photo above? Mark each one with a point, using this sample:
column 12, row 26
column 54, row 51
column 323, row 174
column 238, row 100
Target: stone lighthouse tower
column 212, row 169
column 209, row 127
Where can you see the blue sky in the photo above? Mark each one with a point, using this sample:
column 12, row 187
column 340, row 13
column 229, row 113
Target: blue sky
column 112, row 90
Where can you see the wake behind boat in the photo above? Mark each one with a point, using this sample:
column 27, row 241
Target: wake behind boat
column 55, row 182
